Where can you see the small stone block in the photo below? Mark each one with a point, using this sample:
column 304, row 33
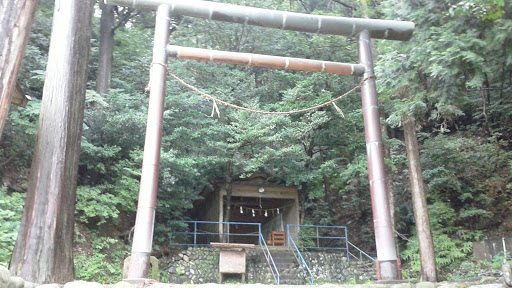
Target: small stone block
column 5, row 276
column 30, row 285
column 17, row 282
column 135, row 280
column 426, row 285
column 126, row 267
column 507, row 274
column 123, row 284
column 83, row 284
column 402, row 285
column 161, row 285
column 154, row 267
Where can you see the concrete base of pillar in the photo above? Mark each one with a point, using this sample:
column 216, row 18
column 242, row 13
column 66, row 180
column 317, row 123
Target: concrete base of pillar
column 387, row 270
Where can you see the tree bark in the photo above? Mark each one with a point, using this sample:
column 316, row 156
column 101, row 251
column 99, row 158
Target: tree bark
column 303, row 191
column 43, row 252
column 15, row 23
column 389, row 183
column 229, row 190
column 426, row 244
column 106, row 50
column 302, row 202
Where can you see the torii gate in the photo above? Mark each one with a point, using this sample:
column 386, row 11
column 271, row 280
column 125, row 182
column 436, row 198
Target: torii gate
column 364, row 29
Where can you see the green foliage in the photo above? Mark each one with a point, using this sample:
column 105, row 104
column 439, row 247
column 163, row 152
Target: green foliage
column 452, row 77
column 103, row 203
column 451, row 169
column 453, row 245
column 485, row 9
column 19, row 136
column 32, row 71
column 472, row 268
column 11, row 209
column 306, row 237
column 104, row 263
column 448, row 78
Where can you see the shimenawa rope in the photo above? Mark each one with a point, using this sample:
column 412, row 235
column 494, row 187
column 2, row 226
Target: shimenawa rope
column 215, row 109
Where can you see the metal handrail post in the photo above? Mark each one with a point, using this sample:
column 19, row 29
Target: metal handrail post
column 270, row 260
column 145, row 219
column 346, row 245
column 288, row 233
column 195, row 233
column 259, row 231
column 300, row 259
column 317, row 240
column 361, row 253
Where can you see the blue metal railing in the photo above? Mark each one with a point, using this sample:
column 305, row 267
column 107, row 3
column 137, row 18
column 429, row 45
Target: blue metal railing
column 310, row 237
column 320, row 237
column 270, row 260
column 194, row 235
column 293, row 247
column 201, row 233
column 361, row 253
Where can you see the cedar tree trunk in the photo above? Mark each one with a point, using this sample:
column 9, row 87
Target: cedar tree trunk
column 419, row 201
column 229, row 190
column 389, row 184
column 43, row 252
column 106, row 50
column 15, row 22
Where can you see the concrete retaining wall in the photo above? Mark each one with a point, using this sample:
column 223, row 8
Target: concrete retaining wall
column 486, row 250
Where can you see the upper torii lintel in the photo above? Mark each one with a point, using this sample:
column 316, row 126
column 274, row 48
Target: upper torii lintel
column 379, row 29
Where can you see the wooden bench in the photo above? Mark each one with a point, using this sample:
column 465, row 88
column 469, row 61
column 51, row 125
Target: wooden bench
column 276, row 238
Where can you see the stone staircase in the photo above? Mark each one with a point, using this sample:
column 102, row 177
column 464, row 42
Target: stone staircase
column 289, row 270
column 326, row 268
column 362, row 271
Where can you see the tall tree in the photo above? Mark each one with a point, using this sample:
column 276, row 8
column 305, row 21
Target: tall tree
column 229, row 193
column 106, row 52
column 419, row 202
column 108, row 27
column 43, row 252
column 15, row 22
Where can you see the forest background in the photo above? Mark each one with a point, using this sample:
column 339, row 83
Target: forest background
column 454, row 78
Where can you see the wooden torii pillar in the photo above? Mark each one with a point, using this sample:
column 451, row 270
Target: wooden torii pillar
column 364, row 29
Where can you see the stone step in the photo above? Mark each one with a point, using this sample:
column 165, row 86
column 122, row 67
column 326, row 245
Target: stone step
column 284, row 260
column 287, row 264
column 292, row 282
column 289, row 271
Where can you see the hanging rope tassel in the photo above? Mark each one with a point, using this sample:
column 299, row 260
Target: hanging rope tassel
column 215, row 108
column 148, row 87
column 339, row 110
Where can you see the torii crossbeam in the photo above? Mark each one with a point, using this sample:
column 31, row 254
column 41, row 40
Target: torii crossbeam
column 364, row 29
